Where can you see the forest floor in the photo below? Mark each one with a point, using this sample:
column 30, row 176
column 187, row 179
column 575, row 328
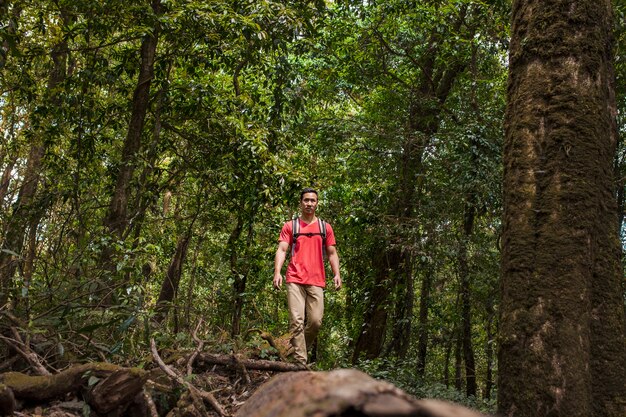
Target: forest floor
column 230, row 388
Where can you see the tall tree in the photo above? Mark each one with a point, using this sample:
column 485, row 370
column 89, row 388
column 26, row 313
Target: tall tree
column 561, row 311
column 425, row 89
column 117, row 217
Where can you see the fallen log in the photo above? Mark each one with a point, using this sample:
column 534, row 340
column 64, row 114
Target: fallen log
column 111, row 386
column 204, row 360
column 341, row 393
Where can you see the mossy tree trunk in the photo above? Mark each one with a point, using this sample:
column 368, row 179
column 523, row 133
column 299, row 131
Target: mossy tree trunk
column 561, row 310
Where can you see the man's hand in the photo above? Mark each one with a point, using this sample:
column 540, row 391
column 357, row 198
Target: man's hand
column 278, row 281
column 337, row 281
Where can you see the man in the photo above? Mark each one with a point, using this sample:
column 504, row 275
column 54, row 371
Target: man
column 305, row 275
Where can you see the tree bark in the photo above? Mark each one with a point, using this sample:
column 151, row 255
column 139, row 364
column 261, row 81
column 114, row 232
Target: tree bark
column 343, row 392
column 561, row 311
column 207, row 360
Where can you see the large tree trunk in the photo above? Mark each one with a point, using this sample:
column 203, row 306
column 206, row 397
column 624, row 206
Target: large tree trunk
column 403, row 317
column 561, row 310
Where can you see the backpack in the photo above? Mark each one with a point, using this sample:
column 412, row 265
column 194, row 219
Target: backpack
column 295, row 227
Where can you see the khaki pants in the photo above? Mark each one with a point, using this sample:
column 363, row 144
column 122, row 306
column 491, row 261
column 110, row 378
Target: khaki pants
column 304, row 301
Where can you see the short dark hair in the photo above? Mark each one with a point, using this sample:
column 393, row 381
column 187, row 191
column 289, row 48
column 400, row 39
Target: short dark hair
column 307, row 190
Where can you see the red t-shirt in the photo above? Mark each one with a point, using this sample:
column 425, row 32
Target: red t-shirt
column 306, row 265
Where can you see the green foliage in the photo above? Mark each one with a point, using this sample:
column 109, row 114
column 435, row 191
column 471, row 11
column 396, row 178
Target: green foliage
column 402, row 375
column 251, row 101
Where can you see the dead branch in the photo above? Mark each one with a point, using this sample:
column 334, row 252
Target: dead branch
column 204, row 360
column 193, row 391
column 199, row 347
column 25, row 351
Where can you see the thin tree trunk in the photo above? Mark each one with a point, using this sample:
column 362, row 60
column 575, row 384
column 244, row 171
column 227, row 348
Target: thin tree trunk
column 5, row 181
column 117, row 220
column 401, row 334
column 458, row 360
column 489, row 352
column 169, row 287
column 240, row 273
column 466, row 306
column 446, row 363
column 372, row 336
column 422, row 341
column 29, row 266
column 189, row 299
column 561, row 321
column 238, row 281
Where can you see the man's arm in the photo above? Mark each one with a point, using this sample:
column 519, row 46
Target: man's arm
column 333, row 259
column 279, row 260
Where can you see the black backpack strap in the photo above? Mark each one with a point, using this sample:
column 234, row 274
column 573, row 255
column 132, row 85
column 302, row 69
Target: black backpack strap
column 322, row 225
column 295, row 232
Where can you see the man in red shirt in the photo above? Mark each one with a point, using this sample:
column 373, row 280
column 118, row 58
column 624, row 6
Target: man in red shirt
column 305, row 275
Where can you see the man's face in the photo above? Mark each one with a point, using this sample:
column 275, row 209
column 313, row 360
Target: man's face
column 308, row 204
